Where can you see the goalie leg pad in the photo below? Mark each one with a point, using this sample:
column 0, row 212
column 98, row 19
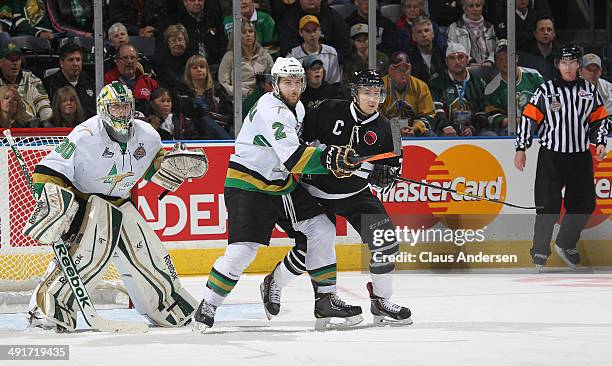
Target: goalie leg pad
column 149, row 275
column 91, row 252
column 53, row 214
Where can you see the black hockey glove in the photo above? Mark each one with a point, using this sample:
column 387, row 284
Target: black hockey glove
column 338, row 160
column 382, row 177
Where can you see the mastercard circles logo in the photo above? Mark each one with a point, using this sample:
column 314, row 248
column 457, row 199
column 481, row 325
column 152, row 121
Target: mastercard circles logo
column 464, row 168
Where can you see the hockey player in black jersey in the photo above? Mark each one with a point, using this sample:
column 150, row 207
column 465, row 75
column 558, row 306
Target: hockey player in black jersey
column 358, row 124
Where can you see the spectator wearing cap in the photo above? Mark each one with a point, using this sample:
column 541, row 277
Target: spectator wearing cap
column 591, row 71
column 408, row 98
column 496, row 92
column 459, row 94
column 264, row 85
column 540, row 54
column 427, row 58
column 359, row 57
column 475, row 34
column 255, row 60
column 317, row 89
column 30, row 88
column 412, row 10
column 71, row 73
column 310, row 31
column 264, row 24
column 334, row 30
column 144, row 18
column 386, row 32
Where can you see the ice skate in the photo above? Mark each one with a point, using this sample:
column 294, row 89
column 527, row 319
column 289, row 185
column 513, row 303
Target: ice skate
column 569, row 256
column 204, row 317
column 386, row 312
column 539, row 260
column 270, row 295
column 333, row 313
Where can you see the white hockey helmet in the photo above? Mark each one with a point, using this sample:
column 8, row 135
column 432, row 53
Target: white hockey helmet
column 116, row 108
column 287, row 67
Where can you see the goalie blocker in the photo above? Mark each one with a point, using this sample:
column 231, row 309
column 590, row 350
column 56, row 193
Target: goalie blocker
column 119, row 234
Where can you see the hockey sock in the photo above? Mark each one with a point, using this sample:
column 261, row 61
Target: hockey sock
column 324, row 278
column 382, row 284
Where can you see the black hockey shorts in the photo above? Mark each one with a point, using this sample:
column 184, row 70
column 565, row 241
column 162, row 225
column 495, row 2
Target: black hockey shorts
column 252, row 215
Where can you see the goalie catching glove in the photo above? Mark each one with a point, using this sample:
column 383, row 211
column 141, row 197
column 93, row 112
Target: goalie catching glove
column 382, row 177
column 53, row 214
column 340, row 160
column 180, row 164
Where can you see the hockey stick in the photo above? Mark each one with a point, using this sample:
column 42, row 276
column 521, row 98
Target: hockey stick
column 477, row 197
column 64, row 260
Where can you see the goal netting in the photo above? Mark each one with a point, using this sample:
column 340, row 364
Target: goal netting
column 23, row 260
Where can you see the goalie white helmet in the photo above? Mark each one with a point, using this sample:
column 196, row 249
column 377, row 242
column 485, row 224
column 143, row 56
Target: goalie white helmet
column 287, row 67
column 116, row 108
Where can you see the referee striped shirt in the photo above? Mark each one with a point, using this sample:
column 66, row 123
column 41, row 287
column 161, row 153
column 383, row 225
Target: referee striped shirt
column 568, row 114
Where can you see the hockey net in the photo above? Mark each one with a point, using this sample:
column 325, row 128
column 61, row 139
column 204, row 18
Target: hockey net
column 23, row 260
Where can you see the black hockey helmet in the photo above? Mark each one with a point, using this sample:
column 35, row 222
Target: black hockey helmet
column 570, row 52
column 367, row 79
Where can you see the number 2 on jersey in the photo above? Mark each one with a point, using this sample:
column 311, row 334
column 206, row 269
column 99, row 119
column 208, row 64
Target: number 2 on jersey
column 279, row 134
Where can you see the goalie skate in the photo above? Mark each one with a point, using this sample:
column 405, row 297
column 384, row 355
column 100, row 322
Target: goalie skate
column 204, row 317
column 270, row 295
column 386, row 312
column 333, row 313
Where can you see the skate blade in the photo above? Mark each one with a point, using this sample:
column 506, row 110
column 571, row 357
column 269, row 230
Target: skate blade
column 562, row 255
column 198, row 327
column 322, row 324
column 383, row 321
column 261, row 292
column 539, row 268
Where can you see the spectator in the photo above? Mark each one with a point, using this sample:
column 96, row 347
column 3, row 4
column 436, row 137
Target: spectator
column 445, row 12
column 525, row 20
column 317, row 89
column 67, row 110
column 264, row 85
column 474, row 33
column 117, row 35
column 496, row 92
column 197, row 104
column 128, row 71
column 428, row 57
column 264, row 24
column 74, row 17
column 71, row 73
column 333, row 27
column 310, row 31
column 540, row 54
column 591, row 71
column 142, row 18
column 12, row 110
column 359, row 58
column 172, row 56
column 411, row 10
column 30, row 18
column 160, row 114
column 204, row 23
column 255, row 60
column 386, row 32
column 460, row 94
column 408, row 98
column 497, row 15
column 278, row 8
column 30, row 88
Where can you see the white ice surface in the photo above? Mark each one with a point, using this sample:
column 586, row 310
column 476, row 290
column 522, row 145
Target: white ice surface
column 559, row 318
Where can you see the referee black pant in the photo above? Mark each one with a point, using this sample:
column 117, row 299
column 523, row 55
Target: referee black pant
column 555, row 170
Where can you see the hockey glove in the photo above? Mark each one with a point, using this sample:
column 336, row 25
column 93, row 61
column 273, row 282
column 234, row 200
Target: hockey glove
column 339, row 160
column 180, row 164
column 382, row 177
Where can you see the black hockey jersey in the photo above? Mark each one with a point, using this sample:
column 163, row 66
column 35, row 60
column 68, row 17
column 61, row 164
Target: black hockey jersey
column 339, row 122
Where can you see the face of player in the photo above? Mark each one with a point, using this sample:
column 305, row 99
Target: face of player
column 568, row 69
column 412, row 9
column 72, row 65
column 290, row 89
column 162, row 105
column 119, row 37
column 68, row 104
column 591, row 73
column 120, row 111
column 194, row 7
column 457, row 63
column 8, row 104
column 177, row 45
column 545, row 32
column 423, row 35
column 368, row 99
column 311, row 33
column 473, row 9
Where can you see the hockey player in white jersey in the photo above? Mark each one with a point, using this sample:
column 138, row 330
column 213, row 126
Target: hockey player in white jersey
column 260, row 190
column 96, row 166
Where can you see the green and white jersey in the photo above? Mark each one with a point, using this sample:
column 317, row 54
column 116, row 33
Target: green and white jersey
column 496, row 94
column 268, row 150
column 94, row 164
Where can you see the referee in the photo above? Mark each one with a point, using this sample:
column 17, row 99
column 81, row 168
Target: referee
column 569, row 114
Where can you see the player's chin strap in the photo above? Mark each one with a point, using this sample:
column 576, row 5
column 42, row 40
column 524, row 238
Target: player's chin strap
column 465, row 194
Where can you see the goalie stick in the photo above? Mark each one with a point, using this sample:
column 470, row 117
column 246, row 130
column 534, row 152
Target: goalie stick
column 65, row 262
